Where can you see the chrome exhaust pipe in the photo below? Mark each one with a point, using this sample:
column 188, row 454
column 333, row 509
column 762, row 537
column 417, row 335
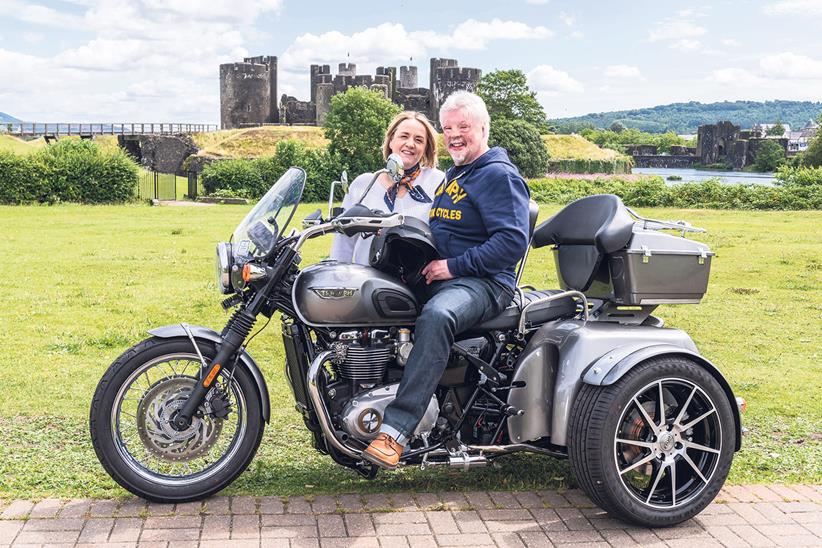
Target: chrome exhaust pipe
column 320, row 408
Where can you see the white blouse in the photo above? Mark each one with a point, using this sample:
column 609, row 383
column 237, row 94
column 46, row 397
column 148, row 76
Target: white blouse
column 355, row 249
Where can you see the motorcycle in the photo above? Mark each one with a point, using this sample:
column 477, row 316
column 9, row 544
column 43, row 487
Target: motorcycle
column 585, row 372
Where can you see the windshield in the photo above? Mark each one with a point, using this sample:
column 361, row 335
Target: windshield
column 258, row 232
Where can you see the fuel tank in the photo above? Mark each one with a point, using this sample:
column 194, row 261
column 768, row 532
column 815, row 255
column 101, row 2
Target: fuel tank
column 331, row 293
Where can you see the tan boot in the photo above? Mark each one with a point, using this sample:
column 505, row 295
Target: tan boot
column 384, row 451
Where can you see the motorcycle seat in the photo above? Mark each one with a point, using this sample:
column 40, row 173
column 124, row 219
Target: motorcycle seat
column 539, row 314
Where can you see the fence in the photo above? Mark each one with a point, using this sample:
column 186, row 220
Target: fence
column 37, row 129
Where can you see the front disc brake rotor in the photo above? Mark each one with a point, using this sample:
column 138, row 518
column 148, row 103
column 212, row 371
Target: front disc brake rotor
column 155, row 412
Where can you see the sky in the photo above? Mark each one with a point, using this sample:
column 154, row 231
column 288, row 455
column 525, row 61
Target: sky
column 158, row 60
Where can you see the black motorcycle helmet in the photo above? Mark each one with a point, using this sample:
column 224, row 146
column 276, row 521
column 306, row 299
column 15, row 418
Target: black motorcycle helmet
column 403, row 251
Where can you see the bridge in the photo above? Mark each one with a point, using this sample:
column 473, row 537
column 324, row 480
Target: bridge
column 30, row 130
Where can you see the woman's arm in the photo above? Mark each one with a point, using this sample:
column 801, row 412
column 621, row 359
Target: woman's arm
column 342, row 246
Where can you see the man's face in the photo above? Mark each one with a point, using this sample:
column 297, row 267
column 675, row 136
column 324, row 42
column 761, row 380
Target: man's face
column 464, row 137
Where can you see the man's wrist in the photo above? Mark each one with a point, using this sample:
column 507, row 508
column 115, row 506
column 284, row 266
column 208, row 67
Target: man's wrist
column 453, row 266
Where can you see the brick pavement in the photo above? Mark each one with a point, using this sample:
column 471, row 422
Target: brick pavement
column 757, row 515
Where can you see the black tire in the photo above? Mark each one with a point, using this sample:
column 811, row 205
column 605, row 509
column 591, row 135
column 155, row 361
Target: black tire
column 118, row 457
column 614, row 473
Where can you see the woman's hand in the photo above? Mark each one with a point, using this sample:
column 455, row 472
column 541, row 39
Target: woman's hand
column 437, row 270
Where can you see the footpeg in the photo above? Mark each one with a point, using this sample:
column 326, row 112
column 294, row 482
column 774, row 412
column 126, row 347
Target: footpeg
column 512, row 411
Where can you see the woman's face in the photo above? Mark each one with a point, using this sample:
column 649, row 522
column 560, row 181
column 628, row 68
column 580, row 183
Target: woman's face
column 409, row 142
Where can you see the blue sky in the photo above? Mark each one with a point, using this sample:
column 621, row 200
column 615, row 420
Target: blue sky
column 157, row 60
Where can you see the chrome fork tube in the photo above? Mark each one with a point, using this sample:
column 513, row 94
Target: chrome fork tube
column 321, row 409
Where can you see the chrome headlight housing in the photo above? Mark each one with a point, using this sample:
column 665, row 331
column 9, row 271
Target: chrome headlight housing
column 222, row 266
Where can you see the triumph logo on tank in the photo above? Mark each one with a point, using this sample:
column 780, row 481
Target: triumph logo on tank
column 334, row 292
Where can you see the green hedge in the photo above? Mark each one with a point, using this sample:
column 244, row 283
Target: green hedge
column 653, row 192
column 251, row 178
column 68, row 171
column 617, row 166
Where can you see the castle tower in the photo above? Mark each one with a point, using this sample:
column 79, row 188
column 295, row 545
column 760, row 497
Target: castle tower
column 446, row 77
column 323, row 95
column 408, row 77
column 347, row 69
column 317, row 74
column 391, row 74
column 248, row 92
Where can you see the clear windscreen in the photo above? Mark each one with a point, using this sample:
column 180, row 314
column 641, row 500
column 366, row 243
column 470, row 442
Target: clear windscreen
column 256, row 235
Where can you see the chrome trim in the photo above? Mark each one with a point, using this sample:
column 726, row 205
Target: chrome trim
column 524, row 313
column 319, row 405
column 337, row 224
column 194, row 344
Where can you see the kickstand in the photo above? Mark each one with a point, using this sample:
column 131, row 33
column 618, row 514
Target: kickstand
column 367, row 470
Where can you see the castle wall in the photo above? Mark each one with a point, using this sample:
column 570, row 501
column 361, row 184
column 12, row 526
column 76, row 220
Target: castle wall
column 248, row 92
column 408, row 77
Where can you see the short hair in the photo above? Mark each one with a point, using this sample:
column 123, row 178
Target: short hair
column 473, row 105
column 429, row 155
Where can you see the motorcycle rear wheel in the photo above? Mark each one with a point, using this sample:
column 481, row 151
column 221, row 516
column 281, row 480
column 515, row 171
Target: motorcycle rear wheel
column 655, row 447
column 130, row 423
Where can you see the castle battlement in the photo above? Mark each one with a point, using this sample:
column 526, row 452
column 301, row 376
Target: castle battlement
column 248, row 90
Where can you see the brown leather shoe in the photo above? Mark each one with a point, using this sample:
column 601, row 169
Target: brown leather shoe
column 384, row 451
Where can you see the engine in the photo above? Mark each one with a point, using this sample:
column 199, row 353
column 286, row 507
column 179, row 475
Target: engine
column 368, row 368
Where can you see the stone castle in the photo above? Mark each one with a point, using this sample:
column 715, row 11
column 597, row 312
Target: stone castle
column 248, row 90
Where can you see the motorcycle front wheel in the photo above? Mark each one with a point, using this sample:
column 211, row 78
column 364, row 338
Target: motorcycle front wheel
column 655, row 447
column 132, row 415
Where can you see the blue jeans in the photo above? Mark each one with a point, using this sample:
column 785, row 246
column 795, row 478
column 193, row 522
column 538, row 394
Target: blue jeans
column 454, row 306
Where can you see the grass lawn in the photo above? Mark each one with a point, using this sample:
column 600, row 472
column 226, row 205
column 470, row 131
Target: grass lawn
column 80, row 284
column 574, row 147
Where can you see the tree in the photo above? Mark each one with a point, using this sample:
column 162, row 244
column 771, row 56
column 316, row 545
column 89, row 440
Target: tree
column 769, row 156
column 617, row 127
column 777, row 130
column 523, row 143
column 507, row 96
column 356, row 125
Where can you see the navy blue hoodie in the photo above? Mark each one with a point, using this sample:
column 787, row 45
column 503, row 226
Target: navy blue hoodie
column 479, row 218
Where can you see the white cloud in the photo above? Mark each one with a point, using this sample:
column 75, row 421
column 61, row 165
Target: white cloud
column 545, row 79
column 734, row 76
column 731, row 43
column 568, row 20
column 795, row 7
column 677, row 31
column 623, row 71
column 577, row 35
column 686, row 44
column 790, row 65
column 537, row 2
column 475, row 35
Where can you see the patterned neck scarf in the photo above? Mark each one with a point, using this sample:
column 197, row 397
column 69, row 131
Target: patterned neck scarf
column 416, row 193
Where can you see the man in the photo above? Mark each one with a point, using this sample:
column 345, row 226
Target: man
column 479, row 220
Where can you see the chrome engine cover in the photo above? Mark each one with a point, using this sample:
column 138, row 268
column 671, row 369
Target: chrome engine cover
column 362, row 416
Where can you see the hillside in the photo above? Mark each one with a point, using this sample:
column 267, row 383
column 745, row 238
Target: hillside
column 8, row 119
column 575, row 147
column 685, row 118
column 256, row 141
column 18, row 146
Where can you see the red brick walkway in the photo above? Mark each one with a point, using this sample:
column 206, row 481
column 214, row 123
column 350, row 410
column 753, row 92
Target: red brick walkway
column 756, row 515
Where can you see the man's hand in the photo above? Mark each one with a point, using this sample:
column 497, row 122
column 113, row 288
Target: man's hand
column 437, row 270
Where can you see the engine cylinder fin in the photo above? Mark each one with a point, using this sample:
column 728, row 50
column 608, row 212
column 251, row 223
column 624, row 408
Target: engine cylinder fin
column 365, row 364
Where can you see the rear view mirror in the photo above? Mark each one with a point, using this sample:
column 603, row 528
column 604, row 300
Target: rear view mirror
column 313, row 218
column 344, row 181
column 394, row 167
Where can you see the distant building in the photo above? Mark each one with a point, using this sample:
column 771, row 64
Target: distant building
column 798, row 141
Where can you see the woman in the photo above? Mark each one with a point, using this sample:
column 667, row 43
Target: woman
column 411, row 136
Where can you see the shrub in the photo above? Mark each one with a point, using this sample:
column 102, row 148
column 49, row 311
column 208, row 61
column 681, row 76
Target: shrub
column 523, row 143
column 653, row 192
column 799, row 176
column 356, row 125
column 69, row 171
column 620, row 165
column 769, row 156
column 240, row 176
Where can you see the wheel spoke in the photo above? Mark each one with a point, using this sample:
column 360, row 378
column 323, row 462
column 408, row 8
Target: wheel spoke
column 638, row 443
column 645, row 416
column 699, row 418
column 696, row 469
column 659, row 473
column 684, row 407
column 661, row 407
column 698, row 447
column 672, row 467
column 637, row 464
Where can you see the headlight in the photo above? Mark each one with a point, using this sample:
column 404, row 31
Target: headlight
column 222, row 265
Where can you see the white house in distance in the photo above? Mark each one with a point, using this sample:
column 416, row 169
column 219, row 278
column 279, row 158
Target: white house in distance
column 798, row 141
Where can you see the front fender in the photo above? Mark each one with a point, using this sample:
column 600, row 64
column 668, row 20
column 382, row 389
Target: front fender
column 199, row 332
column 612, row 366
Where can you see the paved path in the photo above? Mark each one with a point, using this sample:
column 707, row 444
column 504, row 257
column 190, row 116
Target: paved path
column 755, row 515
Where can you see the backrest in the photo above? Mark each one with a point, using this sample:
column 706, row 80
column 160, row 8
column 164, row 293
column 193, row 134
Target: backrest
column 533, row 213
column 585, row 231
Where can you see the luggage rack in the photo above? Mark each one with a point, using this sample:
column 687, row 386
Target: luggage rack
column 654, row 224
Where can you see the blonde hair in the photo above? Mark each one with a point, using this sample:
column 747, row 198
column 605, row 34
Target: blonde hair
column 429, row 156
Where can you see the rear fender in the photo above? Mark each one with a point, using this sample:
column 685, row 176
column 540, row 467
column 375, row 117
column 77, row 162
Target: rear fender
column 612, row 366
column 199, row 332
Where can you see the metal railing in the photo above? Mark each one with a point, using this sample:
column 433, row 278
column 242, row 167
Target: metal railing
column 38, row 129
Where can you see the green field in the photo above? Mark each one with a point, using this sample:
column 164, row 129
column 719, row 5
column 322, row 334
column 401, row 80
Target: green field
column 82, row 283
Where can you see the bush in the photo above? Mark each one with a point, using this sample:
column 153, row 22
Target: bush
column 523, row 143
column 619, row 166
column 252, row 178
column 356, row 125
column 799, row 176
column 69, row 171
column 769, row 156
column 653, row 192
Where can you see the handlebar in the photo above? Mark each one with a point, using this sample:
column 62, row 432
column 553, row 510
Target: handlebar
column 343, row 224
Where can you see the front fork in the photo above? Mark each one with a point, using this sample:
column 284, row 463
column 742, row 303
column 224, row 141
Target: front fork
column 238, row 328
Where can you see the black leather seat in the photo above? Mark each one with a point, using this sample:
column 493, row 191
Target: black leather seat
column 541, row 313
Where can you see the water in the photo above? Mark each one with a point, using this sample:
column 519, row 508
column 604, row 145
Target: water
column 699, row 175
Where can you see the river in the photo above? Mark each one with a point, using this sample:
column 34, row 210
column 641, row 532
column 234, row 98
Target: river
column 699, row 175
